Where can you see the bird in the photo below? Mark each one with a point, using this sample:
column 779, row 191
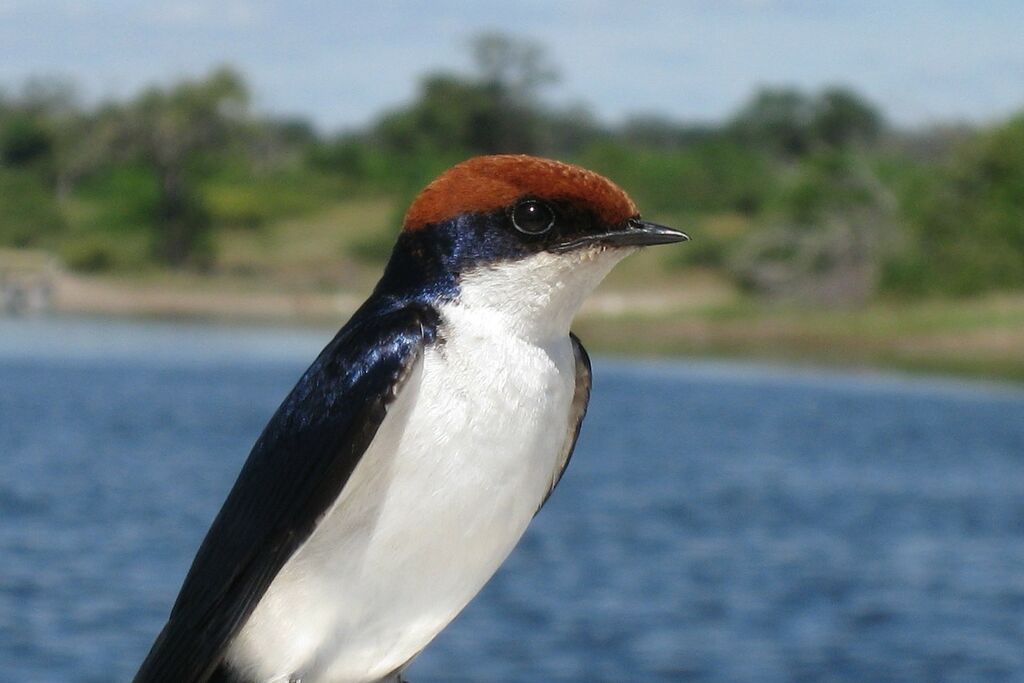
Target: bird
column 406, row 463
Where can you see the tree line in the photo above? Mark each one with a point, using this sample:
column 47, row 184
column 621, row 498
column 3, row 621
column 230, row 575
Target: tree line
column 806, row 195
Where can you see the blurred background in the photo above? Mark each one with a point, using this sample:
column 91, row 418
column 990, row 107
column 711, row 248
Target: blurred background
column 825, row 477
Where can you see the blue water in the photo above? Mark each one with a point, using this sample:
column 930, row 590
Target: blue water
column 718, row 523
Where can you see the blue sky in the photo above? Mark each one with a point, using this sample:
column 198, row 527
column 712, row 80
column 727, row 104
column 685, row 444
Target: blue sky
column 339, row 63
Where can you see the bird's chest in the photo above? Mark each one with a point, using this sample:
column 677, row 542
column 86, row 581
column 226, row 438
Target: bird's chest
column 495, row 406
column 479, row 449
column 453, row 481
column 453, row 477
column 463, row 460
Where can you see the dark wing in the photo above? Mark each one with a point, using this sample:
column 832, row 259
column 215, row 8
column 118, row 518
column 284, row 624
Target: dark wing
column 294, row 473
column 577, row 410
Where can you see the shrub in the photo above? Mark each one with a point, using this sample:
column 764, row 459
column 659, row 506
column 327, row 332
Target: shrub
column 29, row 214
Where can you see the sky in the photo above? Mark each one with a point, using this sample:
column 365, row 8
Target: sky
column 341, row 63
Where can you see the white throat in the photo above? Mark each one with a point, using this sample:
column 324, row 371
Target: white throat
column 536, row 297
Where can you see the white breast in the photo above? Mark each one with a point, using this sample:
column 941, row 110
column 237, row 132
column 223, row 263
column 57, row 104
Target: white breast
column 460, row 465
column 455, row 474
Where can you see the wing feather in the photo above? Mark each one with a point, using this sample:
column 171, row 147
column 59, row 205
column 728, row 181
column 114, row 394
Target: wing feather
column 295, row 471
column 577, row 411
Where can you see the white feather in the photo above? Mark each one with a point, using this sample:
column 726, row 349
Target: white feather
column 445, row 491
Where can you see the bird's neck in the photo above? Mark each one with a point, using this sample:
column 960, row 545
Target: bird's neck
column 533, row 298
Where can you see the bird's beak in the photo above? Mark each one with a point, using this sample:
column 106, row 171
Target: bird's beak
column 643, row 234
column 636, row 233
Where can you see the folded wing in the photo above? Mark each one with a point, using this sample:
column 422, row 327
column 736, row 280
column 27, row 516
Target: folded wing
column 295, row 471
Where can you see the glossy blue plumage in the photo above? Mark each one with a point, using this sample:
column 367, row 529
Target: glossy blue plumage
column 296, row 469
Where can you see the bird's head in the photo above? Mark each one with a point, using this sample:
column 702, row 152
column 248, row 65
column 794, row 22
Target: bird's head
column 519, row 236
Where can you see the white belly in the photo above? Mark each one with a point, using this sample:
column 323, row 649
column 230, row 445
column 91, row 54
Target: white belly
column 448, row 486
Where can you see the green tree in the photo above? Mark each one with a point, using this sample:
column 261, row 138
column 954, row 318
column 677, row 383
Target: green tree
column 824, row 236
column 511, row 75
column 968, row 231
column 661, row 132
column 173, row 131
column 842, row 118
column 779, row 119
column 495, row 109
column 793, row 124
column 32, row 125
column 24, row 139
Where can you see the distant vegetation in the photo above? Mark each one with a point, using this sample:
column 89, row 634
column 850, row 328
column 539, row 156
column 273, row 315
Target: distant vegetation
column 806, row 196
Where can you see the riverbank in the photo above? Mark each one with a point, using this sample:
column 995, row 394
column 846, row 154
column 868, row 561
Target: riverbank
column 686, row 314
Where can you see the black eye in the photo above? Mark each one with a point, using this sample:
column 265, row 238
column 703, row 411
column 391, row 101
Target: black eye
column 532, row 217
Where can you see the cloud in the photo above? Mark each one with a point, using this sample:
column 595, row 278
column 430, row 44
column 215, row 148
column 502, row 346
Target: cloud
column 340, row 63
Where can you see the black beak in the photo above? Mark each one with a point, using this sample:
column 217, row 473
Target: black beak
column 637, row 233
column 640, row 233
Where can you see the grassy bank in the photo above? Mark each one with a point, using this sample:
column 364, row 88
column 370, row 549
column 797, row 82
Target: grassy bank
column 316, row 270
column 982, row 337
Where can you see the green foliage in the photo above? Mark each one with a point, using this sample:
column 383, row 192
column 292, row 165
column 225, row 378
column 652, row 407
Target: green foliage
column 29, row 215
column 90, row 254
column 182, row 235
column 779, row 120
column 792, row 124
column 797, row 190
column 658, row 132
column 822, row 233
column 474, row 117
column 968, row 224
column 174, row 132
column 346, row 156
column 842, row 118
column 111, row 223
column 24, row 139
column 236, row 197
column 710, row 176
column 120, row 200
column 822, row 184
column 493, row 110
column 720, row 236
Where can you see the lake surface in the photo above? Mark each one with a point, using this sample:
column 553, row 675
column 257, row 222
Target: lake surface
column 718, row 523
